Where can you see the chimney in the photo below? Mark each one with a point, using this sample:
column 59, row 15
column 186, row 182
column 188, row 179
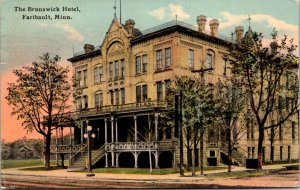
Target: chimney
column 274, row 46
column 88, row 48
column 201, row 21
column 214, row 24
column 239, row 32
column 129, row 25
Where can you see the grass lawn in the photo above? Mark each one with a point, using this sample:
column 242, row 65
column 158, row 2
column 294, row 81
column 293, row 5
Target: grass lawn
column 147, row 171
column 237, row 174
column 24, row 163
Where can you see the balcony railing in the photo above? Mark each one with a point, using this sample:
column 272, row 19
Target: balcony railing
column 141, row 146
column 123, row 107
column 65, row 148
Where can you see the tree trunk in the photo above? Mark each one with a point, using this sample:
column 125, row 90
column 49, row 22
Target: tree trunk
column 195, row 149
column 271, row 152
column 228, row 135
column 260, row 145
column 47, row 151
column 188, row 152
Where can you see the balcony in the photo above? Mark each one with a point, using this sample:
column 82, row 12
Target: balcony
column 132, row 107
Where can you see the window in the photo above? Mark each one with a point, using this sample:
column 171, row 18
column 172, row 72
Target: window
column 293, row 130
column 79, row 103
column 123, row 95
column 144, row 89
column 289, row 153
column 252, row 130
column 287, row 103
column 167, row 87
column 98, row 100
column 212, row 153
column 98, row 74
column 84, row 77
column 280, row 133
column 191, row 58
column 122, row 68
column 287, row 76
column 253, row 152
column 209, row 61
column 138, row 93
column 224, row 66
column 117, row 97
column 272, row 154
column 111, row 74
column 167, row 57
column 144, row 63
column 159, row 91
column 281, row 147
column 158, row 59
column 116, row 69
column 111, row 97
column 138, row 65
column 248, row 129
column 78, row 78
column 85, row 100
column 280, row 102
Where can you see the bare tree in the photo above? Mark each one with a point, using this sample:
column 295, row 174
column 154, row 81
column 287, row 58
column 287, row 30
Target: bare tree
column 39, row 97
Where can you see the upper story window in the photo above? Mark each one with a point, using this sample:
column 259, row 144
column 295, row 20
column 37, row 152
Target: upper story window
column 84, row 77
column 144, row 63
column 116, row 69
column 144, row 91
column 79, row 103
column 78, row 79
column 293, row 130
column 117, row 97
column 191, row 58
column 98, row 99
column 167, row 57
column 138, row 94
column 159, row 59
column 85, row 102
column 210, row 59
column 167, row 87
column 224, row 66
column 111, row 74
column 159, row 86
column 98, row 74
column 122, row 68
column 122, row 95
column 111, row 97
column 138, row 65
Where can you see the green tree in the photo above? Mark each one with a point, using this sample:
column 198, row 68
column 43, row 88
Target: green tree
column 262, row 70
column 230, row 118
column 197, row 112
column 39, row 97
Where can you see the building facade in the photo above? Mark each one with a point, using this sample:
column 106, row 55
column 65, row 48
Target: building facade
column 121, row 88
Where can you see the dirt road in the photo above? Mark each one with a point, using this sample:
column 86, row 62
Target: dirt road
column 279, row 179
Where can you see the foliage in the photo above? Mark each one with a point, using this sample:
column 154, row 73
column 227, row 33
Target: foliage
column 23, row 149
column 39, row 97
column 263, row 70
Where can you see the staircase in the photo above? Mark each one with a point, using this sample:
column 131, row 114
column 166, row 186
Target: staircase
column 236, row 155
column 81, row 163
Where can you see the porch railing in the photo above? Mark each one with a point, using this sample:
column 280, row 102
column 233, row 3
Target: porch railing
column 65, row 148
column 140, row 146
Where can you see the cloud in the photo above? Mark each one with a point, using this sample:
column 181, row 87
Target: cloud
column 235, row 20
column 171, row 11
column 178, row 10
column 158, row 13
column 72, row 33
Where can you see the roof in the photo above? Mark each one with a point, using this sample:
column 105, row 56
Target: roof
column 169, row 27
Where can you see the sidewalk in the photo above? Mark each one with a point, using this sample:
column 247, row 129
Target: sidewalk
column 62, row 173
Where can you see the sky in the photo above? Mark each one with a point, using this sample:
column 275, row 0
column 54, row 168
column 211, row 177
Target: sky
column 24, row 40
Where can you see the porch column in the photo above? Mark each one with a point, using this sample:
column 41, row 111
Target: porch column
column 117, row 159
column 135, row 160
column 106, row 160
column 112, row 159
column 135, row 128
column 105, row 128
column 156, row 159
column 112, row 129
column 116, row 130
column 56, row 143
column 156, row 129
column 81, row 135
column 112, row 141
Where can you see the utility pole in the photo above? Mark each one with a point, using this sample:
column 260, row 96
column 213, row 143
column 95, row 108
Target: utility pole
column 201, row 72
